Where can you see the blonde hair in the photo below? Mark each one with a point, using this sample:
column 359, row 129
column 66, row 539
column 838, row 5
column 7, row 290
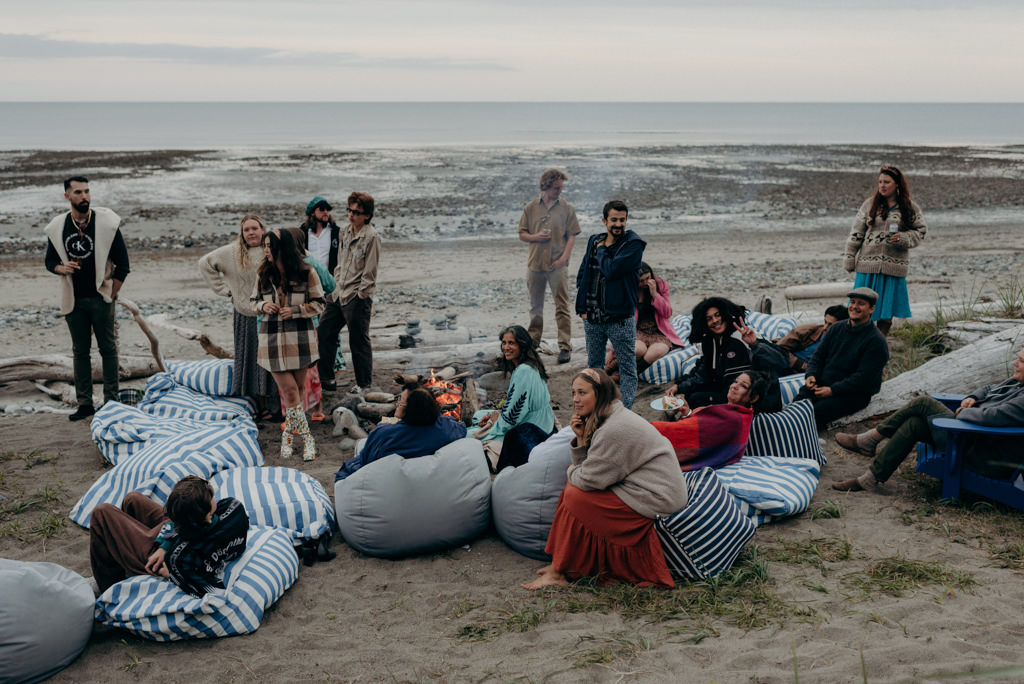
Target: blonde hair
column 243, row 248
column 606, row 392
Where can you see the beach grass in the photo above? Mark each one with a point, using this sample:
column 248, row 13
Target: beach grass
column 826, row 509
column 816, row 552
column 897, row 575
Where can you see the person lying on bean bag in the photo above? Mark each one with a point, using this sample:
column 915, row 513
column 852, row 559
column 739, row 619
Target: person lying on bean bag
column 189, row 542
column 421, row 430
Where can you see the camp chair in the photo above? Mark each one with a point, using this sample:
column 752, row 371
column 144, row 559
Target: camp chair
column 948, row 466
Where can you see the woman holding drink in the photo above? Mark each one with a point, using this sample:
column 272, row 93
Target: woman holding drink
column 888, row 224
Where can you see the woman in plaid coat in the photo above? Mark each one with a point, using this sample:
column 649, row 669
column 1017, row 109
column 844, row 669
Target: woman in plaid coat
column 288, row 295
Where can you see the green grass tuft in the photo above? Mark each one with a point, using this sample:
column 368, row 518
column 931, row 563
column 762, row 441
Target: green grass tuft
column 897, row 575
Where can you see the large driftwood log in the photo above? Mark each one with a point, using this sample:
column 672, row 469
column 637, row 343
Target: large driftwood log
column 208, row 345
column 61, row 367
column 154, row 343
column 982, row 363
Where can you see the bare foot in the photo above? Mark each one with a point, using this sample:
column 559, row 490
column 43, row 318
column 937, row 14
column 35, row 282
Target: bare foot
column 548, row 579
column 546, row 569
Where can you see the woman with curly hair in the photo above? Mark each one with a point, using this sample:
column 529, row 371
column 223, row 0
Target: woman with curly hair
column 230, row 271
column 526, row 418
column 716, row 328
column 888, row 224
column 288, row 295
column 624, row 474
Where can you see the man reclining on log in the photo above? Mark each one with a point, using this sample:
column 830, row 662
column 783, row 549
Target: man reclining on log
column 801, row 342
column 999, row 405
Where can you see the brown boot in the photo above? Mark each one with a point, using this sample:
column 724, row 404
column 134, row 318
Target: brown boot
column 849, row 442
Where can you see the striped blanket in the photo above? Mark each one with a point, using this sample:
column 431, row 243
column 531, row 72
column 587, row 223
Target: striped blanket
column 710, row 438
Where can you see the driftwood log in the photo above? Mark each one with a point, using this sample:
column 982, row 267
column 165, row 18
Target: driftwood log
column 208, row 345
column 61, row 367
column 981, row 363
column 154, row 343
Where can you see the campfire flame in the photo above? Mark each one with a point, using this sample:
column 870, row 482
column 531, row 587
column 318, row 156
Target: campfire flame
column 447, row 395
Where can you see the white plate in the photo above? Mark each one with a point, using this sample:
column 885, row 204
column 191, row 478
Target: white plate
column 667, row 403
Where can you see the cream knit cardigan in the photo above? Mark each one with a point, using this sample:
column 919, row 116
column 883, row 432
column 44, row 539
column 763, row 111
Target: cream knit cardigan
column 630, row 457
column 222, row 273
column 868, row 249
column 107, row 223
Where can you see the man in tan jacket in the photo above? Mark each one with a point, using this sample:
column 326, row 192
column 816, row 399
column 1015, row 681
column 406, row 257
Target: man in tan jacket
column 86, row 249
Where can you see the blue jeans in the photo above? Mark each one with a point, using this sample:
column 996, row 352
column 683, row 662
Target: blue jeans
column 622, row 335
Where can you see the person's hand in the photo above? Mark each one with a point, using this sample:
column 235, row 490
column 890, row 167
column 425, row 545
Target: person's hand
column 68, row 268
column 560, row 262
column 810, row 382
column 577, row 424
column 894, row 239
column 652, row 287
column 968, row 402
column 155, row 563
column 671, row 391
column 747, row 333
column 287, row 312
column 271, row 308
column 542, row 237
column 683, row 411
column 823, row 392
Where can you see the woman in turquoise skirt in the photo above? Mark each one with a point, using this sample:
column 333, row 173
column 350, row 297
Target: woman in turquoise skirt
column 888, row 225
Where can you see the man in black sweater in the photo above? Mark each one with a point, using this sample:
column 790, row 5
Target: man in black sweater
column 846, row 370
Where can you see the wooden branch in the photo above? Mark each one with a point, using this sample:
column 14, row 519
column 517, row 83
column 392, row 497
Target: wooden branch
column 154, row 343
column 61, row 367
column 208, row 345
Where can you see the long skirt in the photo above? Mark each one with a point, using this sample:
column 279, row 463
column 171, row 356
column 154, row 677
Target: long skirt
column 249, row 379
column 893, row 299
column 594, row 534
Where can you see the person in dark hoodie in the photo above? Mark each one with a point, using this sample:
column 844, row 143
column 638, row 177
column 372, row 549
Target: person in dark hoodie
column 717, row 325
column 606, row 295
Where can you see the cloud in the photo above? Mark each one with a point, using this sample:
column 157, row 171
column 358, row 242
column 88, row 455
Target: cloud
column 24, row 46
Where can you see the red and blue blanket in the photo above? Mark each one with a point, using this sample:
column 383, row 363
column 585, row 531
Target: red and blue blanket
column 712, row 436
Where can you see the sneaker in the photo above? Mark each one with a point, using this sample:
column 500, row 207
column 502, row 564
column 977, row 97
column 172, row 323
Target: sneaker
column 81, row 413
column 564, row 355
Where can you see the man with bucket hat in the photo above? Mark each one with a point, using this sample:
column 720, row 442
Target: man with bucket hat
column 846, row 369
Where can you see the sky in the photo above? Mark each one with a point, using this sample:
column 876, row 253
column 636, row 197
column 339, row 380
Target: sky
column 516, row 51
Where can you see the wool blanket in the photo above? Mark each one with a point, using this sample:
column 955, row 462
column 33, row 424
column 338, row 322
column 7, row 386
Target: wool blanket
column 711, row 437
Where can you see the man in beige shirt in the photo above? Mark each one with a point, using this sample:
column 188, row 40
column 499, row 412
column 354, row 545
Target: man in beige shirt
column 550, row 227
column 352, row 300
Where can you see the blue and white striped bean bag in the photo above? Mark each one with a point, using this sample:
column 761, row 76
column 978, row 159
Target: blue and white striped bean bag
column 789, row 433
column 672, row 366
column 155, row 469
column 284, row 498
column 211, row 376
column 167, row 399
column 156, row 609
column 704, row 538
column 790, row 386
column 769, row 488
column 770, row 326
column 682, row 324
column 120, row 431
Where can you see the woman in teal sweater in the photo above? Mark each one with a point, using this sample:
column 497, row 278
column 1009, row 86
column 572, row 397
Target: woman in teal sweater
column 526, row 418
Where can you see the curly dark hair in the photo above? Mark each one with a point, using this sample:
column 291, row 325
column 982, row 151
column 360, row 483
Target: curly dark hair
column 527, row 352
column 188, row 505
column 880, row 205
column 731, row 314
column 282, row 248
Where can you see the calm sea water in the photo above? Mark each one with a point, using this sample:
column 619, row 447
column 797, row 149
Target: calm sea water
column 140, row 126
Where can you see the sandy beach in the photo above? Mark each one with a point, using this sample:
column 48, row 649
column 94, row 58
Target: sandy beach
column 811, row 595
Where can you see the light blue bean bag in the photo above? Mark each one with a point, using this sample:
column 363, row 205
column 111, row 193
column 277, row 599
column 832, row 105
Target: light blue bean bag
column 768, row 488
column 155, row 469
column 524, row 499
column 397, row 507
column 46, row 620
column 283, row 498
column 156, row 609
column 705, row 537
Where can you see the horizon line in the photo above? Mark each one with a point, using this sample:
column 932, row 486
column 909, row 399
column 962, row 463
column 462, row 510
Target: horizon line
column 533, row 102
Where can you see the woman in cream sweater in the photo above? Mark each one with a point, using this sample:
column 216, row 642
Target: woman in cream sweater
column 623, row 475
column 887, row 226
column 230, row 271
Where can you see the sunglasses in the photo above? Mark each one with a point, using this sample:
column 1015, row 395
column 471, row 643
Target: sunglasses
column 356, row 212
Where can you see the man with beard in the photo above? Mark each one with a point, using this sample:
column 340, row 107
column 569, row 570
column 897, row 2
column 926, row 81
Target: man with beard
column 606, row 295
column 351, row 303
column 321, row 232
column 85, row 247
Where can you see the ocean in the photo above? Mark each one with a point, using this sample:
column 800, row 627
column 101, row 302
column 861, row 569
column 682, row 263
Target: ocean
column 263, row 125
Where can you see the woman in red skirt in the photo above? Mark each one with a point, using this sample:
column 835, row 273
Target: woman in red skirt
column 624, row 473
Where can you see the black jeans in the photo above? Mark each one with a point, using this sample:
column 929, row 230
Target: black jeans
column 356, row 315
column 828, row 409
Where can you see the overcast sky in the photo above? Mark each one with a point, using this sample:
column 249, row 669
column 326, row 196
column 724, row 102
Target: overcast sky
column 504, row 50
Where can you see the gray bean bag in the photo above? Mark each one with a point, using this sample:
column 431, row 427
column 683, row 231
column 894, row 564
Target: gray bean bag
column 46, row 615
column 524, row 499
column 397, row 507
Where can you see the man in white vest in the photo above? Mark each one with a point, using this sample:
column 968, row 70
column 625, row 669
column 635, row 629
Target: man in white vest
column 85, row 248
